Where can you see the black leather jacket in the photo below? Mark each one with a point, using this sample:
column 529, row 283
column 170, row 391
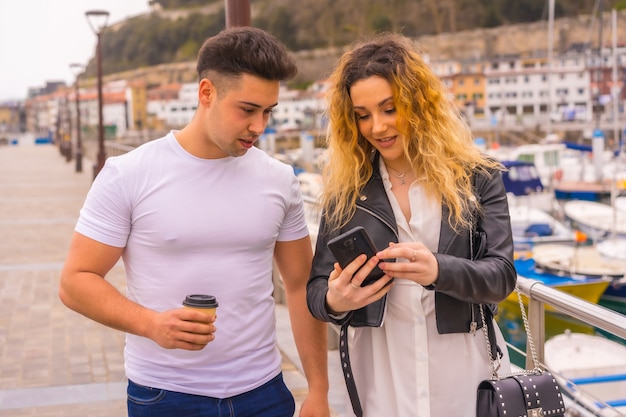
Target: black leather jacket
column 462, row 283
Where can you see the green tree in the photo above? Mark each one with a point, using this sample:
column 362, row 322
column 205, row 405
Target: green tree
column 281, row 24
column 157, row 38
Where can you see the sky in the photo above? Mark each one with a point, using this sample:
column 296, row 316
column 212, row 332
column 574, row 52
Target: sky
column 39, row 39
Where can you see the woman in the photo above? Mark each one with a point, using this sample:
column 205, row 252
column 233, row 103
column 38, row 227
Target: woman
column 403, row 165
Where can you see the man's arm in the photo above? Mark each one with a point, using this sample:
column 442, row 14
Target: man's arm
column 294, row 263
column 84, row 290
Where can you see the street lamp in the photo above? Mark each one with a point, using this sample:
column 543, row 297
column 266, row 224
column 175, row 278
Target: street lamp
column 78, row 69
column 97, row 20
column 237, row 13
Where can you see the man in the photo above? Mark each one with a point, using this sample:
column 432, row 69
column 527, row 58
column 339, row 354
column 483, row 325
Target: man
column 202, row 210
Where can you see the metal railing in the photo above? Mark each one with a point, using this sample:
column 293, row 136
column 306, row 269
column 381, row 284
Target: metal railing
column 541, row 295
column 116, row 149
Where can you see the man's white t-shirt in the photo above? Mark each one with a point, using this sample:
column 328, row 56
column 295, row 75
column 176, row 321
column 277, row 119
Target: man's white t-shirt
column 191, row 226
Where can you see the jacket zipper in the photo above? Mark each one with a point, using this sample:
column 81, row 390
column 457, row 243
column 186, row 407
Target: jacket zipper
column 383, row 221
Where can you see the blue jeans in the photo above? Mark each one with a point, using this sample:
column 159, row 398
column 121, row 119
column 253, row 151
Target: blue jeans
column 272, row 399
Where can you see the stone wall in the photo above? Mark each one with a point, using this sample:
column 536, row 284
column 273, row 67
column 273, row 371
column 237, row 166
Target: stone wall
column 524, row 39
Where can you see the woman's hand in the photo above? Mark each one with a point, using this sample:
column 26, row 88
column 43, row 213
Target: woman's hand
column 344, row 286
column 421, row 265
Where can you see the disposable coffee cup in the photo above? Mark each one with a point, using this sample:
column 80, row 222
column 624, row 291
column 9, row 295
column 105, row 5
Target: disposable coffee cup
column 201, row 302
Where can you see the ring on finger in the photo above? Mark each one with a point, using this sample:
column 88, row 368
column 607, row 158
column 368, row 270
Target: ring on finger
column 414, row 255
column 356, row 287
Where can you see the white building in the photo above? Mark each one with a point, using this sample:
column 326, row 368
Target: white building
column 173, row 104
column 525, row 90
column 299, row 110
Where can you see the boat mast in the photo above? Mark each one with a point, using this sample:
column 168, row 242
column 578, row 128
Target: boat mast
column 615, row 94
column 599, row 66
column 550, row 57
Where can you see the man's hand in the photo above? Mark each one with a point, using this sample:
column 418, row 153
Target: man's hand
column 315, row 405
column 183, row 328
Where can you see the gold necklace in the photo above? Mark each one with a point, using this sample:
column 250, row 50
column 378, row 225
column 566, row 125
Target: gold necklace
column 401, row 175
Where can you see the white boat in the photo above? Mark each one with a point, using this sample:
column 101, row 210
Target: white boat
column 552, row 265
column 311, row 187
column 311, row 184
column 524, row 186
column 558, row 161
column 312, row 215
column 595, row 273
column 598, row 220
column 613, row 248
column 591, row 370
column 577, row 261
column 533, row 226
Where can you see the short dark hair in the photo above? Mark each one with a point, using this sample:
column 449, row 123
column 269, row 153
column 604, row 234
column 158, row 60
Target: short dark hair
column 239, row 50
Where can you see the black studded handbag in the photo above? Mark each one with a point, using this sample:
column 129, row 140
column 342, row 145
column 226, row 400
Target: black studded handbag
column 529, row 393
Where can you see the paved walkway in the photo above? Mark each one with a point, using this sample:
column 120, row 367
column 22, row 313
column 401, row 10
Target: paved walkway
column 54, row 362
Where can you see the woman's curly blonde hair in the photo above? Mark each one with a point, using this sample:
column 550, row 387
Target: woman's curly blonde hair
column 440, row 143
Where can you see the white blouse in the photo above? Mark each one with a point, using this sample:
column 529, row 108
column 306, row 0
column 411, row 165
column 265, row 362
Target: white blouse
column 406, row 368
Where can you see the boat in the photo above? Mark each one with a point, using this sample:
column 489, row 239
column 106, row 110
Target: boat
column 607, row 226
column 614, row 248
column 579, row 270
column 311, row 187
column 532, row 226
column 567, row 170
column 589, row 288
column 591, row 370
column 587, row 263
column 577, row 261
column 524, row 186
column 311, row 184
column 583, row 190
column 598, row 220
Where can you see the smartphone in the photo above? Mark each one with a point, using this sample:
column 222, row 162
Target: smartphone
column 348, row 245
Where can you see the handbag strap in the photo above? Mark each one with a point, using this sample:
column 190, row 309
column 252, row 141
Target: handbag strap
column 495, row 365
column 347, row 371
column 529, row 337
column 495, row 362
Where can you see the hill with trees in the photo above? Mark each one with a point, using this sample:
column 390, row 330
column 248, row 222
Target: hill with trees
column 174, row 30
